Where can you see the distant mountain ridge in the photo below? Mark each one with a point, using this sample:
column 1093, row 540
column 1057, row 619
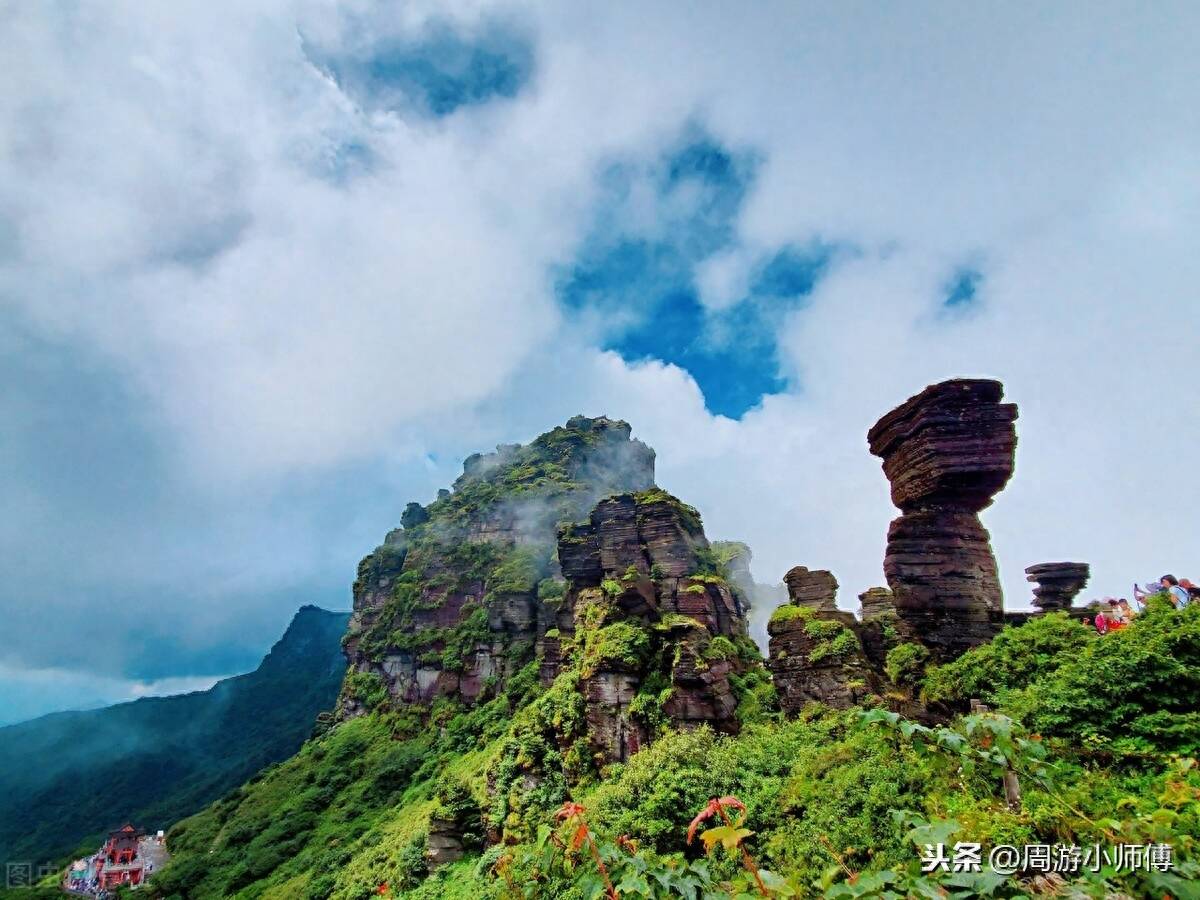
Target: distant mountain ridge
column 67, row 777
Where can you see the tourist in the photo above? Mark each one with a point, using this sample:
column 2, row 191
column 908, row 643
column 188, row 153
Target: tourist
column 1193, row 590
column 1116, row 620
column 1178, row 595
column 1125, row 610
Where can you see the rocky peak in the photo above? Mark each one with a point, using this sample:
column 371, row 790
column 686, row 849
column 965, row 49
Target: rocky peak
column 651, row 621
column 449, row 603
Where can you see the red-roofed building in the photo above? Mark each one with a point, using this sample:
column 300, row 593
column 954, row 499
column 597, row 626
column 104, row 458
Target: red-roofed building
column 121, row 862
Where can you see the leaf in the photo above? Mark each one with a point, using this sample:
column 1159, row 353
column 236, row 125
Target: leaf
column 728, row 836
column 634, row 881
column 777, row 884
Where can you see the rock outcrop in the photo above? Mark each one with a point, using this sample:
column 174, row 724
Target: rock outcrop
column 876, row 602
column 880, row 629
column 650, row 619
column 812, row 589
column 816, row 654
column 1057, row 583
column 631, row 601
column 946, row 451
column 453, row 603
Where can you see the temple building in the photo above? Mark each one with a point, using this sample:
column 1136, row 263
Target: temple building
column 121, row 862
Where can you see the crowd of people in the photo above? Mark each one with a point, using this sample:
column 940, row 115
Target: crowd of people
column 1115, row 614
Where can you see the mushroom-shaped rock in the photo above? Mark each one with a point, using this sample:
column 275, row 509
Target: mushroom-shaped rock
column 1057, row 583
column 947, row 451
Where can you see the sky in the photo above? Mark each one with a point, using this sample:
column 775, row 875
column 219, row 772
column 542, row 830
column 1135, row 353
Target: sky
column 271, row 269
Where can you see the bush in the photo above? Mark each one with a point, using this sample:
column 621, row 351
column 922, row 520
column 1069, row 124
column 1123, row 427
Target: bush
column 905, row 664
column 367, row 688
column 1129, row 691
column 1014, row 658
column 622, row 643
column 789, row 611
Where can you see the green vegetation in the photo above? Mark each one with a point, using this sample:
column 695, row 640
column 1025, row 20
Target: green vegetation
column 624, row 644
column 836, row 803
column 788, row 612
column 1015, row 657
column 689, row 516
column 906, row 663
column 834, row 644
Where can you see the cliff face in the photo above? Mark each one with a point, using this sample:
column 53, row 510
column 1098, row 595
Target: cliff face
column 560, row 555
column 648, row 613
column 450, row 605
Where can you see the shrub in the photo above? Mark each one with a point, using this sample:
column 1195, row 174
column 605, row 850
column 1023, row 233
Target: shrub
column 840, row 643
column 789, row 611
column 1014, row 658
column 905, row 664
column 367, row 688
column 622, row 643
column 1129, row 691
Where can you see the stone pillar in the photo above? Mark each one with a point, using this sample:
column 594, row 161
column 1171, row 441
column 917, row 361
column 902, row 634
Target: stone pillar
column 876, row 602
column 814, row 589
column 947, row 452
column 1057, row 583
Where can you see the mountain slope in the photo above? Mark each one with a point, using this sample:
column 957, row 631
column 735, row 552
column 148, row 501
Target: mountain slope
column 546, row 700
column 157, row 759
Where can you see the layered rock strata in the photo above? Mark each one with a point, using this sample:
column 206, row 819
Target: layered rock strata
column 816, row 654
column 880, row 629
column 453, row 603
column 946, row 451
column 1058, row 583
column 876, row 602
column 812, row 589
column 653, row 625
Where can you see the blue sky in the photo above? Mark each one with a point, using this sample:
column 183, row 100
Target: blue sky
column 268, row 271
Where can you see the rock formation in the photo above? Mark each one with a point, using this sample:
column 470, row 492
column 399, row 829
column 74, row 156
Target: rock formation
column 947, row 452
column 492, row 578
column 876, row 602
column 453, row 602
column 1057, row 583
column 644, row 608
column 880, row 628
column 812, row 589
column 815, row 651
column 444, row 843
